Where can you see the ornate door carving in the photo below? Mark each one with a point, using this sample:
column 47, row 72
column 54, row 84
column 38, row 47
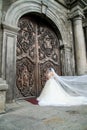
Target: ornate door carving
column 37, row 50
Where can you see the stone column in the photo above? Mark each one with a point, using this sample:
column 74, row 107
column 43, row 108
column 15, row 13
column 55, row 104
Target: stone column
column 9, row 58
column 79, row 40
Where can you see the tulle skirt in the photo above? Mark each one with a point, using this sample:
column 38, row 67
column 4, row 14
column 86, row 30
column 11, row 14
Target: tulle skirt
column 54, row 95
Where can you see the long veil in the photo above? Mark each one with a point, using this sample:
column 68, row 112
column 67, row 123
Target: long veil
column 74, row 85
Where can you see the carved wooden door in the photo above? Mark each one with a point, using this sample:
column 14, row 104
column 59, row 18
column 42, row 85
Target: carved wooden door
column 37, row 50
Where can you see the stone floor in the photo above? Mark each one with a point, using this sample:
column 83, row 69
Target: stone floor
column 22, row 115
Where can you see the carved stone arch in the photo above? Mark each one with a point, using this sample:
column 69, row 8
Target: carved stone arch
column 20, row 8
column 10, row 22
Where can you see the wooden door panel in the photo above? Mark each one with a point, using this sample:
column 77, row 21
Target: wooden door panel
column 48, row 53
column 25, row 77
column 37, row 50
column 25, row 64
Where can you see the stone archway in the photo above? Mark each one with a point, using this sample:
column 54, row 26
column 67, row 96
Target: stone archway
column 13, row 14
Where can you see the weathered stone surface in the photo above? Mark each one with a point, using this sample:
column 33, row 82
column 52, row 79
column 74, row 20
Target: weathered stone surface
column 2, row 101
column 3, row 89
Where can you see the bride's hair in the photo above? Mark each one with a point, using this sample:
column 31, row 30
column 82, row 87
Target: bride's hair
column 51, row 69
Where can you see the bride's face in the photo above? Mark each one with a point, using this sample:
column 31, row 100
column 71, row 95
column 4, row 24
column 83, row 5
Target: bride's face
column 49, row 74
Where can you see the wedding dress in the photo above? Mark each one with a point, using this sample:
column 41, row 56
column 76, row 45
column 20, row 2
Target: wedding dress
column 59, row 92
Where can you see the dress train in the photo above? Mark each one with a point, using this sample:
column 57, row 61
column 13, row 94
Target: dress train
column 54, row 95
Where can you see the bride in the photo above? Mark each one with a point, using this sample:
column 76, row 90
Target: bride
column 59, row 91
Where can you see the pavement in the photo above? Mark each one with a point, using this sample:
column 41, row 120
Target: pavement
column 22, row 115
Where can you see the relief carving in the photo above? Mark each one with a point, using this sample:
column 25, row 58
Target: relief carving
column 25, row 77
column 48, row 45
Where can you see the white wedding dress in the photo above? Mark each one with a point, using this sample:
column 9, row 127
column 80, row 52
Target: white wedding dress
column 53, row 94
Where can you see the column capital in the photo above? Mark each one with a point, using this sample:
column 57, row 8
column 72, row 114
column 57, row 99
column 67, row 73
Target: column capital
column 76, row 12
column 76, row 7
column 10, row 28
column 73, row 3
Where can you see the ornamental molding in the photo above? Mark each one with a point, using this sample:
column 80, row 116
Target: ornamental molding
column 44, row 8
column 76, row 12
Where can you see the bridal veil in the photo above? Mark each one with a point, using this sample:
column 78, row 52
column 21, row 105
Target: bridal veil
column 73, row 85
